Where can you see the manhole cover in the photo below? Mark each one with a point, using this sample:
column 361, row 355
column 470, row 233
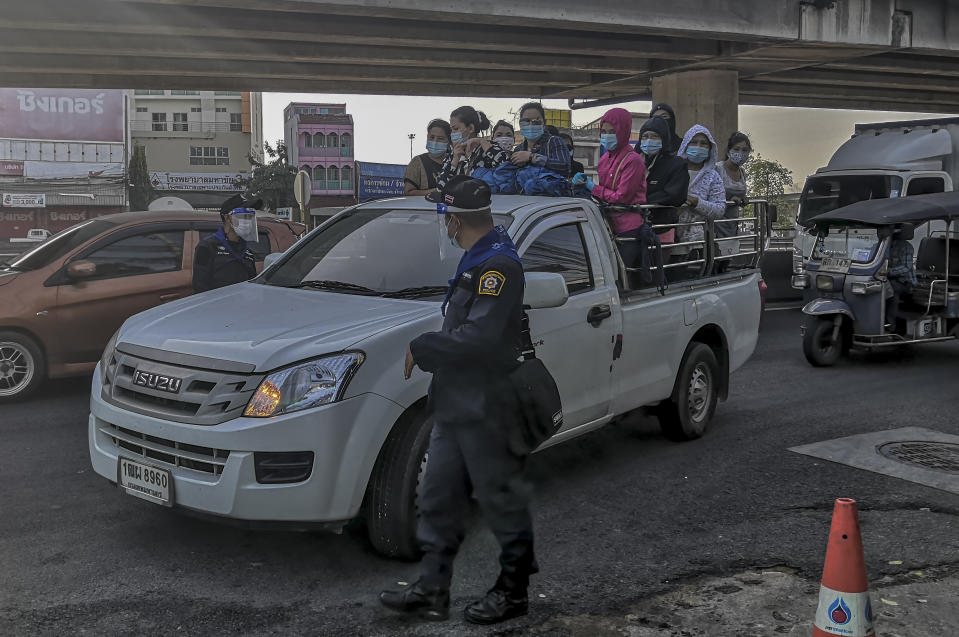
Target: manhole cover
column 940, row 456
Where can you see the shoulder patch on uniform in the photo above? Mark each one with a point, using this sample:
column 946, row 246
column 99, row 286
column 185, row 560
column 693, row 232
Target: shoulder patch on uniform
column 491, row 283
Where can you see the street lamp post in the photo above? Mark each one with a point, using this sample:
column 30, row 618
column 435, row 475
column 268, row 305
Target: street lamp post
column 412, row 136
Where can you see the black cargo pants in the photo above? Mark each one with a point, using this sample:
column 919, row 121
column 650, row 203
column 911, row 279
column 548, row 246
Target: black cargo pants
column 465, row 456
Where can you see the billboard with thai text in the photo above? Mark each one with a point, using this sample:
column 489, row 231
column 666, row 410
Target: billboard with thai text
column 376, row 181
column 61, row 114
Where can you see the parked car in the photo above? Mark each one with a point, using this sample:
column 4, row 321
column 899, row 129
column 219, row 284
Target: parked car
column 61, row 301
column 298, row 411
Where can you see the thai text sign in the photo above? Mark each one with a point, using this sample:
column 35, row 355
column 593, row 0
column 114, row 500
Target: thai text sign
column 11, row 168
column 376, row 181
column 21, row 200
column 61, row 114
column 218, row 182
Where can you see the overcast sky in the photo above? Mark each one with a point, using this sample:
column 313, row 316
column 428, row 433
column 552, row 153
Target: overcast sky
column 802, row 139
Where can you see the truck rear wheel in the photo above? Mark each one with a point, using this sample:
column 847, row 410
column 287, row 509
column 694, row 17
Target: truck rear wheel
column 22, row 368
column 391, row 507
column 820, row 348
column 690, row 408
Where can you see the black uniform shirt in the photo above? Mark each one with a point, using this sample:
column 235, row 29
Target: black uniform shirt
column 478, row 345
column 215, row 267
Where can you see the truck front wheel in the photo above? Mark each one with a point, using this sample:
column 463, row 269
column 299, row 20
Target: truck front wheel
column 391, row 506
column 690, row 408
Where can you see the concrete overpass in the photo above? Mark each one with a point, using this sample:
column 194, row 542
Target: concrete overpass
column 703, row 56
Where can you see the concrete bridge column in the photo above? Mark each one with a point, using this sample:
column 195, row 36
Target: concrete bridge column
column 708, row 97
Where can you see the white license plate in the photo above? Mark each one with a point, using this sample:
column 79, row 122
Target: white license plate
column 145, row 481
column 832, row 264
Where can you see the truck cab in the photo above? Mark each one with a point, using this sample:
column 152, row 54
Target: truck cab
column 884, row 160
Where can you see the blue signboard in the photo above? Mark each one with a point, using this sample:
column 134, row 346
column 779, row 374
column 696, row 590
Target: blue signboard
column 377, row 181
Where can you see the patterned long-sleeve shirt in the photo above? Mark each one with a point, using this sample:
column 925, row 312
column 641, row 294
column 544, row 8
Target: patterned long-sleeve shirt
column 551, row 152
column 901, row 265
column 490, row 158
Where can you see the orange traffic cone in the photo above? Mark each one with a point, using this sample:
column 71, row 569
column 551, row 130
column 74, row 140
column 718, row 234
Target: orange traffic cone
column 844, row 606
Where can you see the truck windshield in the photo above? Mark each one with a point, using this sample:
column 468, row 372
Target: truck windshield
column 858, row 244
column 825, row 193
column 373, row 251
column 59, row 245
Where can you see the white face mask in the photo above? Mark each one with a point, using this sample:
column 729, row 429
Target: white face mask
column 506, row 143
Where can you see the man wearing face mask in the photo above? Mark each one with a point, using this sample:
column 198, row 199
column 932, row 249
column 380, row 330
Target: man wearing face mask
column 223, row 258
column 473, row 407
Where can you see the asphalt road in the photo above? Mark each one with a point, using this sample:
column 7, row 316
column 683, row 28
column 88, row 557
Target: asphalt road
column 621, row 515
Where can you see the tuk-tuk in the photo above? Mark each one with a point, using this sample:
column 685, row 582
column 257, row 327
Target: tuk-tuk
column 852, row 297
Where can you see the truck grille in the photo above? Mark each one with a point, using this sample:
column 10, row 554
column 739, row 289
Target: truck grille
column 179, row 454
column 202, row 396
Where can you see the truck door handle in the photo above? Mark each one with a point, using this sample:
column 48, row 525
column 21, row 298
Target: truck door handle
column 597, row 314
column 169, row 297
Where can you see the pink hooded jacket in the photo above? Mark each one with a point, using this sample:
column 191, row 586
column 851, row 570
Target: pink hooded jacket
column 630, row 186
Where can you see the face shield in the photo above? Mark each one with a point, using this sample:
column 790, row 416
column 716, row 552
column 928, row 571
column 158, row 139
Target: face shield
column 447, row 244
column 244, row 223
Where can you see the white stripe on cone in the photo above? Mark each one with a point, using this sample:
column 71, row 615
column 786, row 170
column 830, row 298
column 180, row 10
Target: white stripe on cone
column 848, row 614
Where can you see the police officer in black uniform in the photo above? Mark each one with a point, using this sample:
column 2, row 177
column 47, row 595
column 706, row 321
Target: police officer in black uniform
column 223, row 258
column 473, row 408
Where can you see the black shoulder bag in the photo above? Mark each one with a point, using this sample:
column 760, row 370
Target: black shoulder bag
column 540, row 407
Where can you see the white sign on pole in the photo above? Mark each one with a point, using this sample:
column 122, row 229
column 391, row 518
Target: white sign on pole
column 286, row 213
column 22, row 200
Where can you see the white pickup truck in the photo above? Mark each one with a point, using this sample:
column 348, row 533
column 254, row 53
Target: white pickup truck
column 282, row 399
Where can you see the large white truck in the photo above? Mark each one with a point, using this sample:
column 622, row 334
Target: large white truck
column 888, row 159
column 282, row 399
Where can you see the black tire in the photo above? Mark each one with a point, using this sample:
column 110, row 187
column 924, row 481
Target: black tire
column 391, row 509
column 690, row 408
column 22, row 366
column 818, row 345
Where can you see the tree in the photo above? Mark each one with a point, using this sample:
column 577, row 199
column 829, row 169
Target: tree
column 141, row 191
column 769, row 180
column 271, row 181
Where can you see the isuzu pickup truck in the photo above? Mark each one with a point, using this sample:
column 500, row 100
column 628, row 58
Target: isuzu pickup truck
column 282, row 399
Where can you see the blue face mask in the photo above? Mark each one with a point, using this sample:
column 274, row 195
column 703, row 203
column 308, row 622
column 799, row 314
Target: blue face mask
column 532, row 132
column 458, row 137
column 609, row 141
column 697, row 154
column 436, row 148
column 651, row 146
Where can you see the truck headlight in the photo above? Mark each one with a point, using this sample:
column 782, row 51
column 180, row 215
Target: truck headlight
column 303, row 386
column 107, row 355
column 825, row 283
column 800, row 281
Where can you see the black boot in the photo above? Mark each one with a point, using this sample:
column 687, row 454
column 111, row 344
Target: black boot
column 506, row 600
column 429, row 603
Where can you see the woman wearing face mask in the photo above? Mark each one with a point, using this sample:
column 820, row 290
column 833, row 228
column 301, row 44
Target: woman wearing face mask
column 423, row 170
column 501, row 178
column 667, row 179
column 540, row 148
column 622, row 179
column 706, row 198
column 734, row 180
column 466, row 123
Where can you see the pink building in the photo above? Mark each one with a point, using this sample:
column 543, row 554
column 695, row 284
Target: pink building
column 319, row 139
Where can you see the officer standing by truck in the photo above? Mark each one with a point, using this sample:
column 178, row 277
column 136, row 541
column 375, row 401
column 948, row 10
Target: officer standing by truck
column 223, row 258
column 473, row 409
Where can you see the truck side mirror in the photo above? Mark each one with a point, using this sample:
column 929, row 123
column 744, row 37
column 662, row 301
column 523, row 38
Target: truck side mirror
column 271, row 258
column 79, row 270
column 545, row 289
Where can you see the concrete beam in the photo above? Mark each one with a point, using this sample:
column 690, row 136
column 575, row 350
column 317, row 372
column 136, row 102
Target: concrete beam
column 146, row 46
column 823, row 77
column 855, row 97
column 95, row 19
column 796, row 101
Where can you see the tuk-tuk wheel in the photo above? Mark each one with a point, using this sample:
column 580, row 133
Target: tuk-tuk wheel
column 819, row 346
